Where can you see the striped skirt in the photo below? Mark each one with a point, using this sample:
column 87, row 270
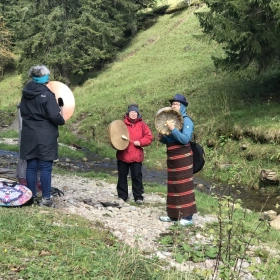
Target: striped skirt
column 180, row 196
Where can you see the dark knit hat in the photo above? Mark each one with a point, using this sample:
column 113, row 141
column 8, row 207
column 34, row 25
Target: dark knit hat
column 179, row 98
column 133, row 107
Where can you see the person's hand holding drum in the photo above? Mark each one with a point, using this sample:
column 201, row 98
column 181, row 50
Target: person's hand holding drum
column 170, row 124
column 60, row 104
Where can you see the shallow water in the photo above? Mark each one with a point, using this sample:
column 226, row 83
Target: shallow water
column 258, row 200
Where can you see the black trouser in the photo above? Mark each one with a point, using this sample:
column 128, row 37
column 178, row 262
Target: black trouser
column 136, row 177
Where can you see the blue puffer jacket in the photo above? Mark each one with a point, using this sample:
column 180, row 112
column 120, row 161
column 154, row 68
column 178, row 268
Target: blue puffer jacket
column 184, row 135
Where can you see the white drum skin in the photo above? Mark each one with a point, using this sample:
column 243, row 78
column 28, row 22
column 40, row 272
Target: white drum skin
column 63, row 91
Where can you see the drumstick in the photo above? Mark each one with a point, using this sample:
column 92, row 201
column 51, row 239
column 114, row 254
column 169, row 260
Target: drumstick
column 125, row 138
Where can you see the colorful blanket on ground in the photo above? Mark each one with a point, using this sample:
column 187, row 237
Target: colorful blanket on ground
column 13, row 194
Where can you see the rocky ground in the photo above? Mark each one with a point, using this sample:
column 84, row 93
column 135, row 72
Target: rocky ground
column 135, row 225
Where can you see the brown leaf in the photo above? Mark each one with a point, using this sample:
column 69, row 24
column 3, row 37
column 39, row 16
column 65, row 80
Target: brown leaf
column 44, row 253
column 16, row 268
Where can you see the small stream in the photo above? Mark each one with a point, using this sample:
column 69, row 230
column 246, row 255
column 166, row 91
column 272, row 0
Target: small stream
column 257, row 200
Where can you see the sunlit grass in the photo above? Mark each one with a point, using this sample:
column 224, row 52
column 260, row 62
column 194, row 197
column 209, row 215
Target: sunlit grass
column 9, row 134
column 50, row 245
column 8, row 147
column 10, row 95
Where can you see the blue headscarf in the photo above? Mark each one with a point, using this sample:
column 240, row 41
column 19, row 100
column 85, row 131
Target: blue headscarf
column 41, row 80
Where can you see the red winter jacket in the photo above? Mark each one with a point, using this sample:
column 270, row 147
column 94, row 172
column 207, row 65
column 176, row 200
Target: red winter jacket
column 138, row 131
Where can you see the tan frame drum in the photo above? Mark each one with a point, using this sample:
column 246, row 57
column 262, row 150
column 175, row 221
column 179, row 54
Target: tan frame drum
column 167, row 114
column 118, row 135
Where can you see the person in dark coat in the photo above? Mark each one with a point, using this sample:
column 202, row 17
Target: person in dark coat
column 41, row 117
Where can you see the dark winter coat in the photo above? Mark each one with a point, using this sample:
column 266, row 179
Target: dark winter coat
column 138, row 130
column 40, row 119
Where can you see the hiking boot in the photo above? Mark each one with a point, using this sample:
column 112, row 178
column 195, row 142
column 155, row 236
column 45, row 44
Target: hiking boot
column 47, row 202
column 165, row 219
column 139, row 201
column 185, row 223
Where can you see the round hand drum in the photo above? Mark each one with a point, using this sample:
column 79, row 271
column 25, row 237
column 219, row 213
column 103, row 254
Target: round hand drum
column 117, row 129
column 168, row 114
column 63, row 91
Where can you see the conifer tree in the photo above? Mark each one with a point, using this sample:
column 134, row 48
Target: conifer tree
column 248, row 30
column 72, row 37
column 6, row 55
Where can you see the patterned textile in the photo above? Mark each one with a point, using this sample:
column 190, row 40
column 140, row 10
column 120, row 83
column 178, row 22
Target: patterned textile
column 180, row 196
column 13, row 194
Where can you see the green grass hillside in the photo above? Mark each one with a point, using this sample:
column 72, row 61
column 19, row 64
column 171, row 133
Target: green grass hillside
column 174, row 56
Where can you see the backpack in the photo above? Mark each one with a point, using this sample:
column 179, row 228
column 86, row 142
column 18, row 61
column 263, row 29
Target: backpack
column 13, row 194
column 198, row 155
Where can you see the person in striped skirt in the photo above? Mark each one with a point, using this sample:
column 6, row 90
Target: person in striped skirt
column 181, row 203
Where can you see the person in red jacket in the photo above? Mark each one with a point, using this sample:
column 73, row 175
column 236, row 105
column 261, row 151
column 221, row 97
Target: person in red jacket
column 140, row 135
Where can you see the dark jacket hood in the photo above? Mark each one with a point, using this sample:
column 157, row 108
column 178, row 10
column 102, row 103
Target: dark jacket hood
column 32, row 89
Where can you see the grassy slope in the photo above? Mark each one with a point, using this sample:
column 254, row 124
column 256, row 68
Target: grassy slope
column 174, row 56
column 169, row 57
